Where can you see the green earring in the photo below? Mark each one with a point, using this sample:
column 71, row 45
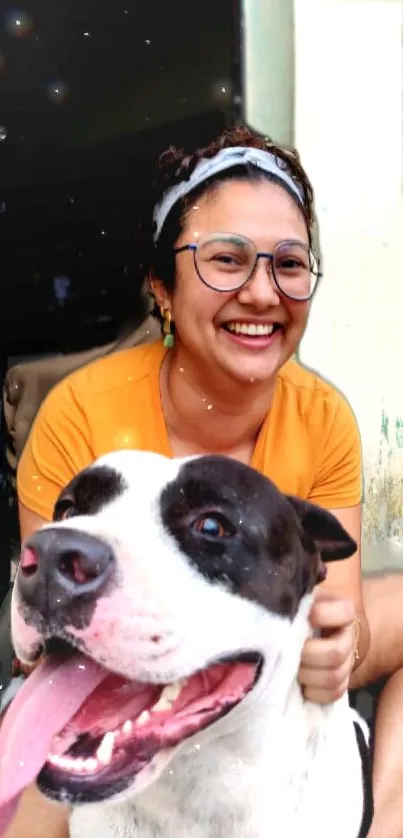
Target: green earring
column 169, row 337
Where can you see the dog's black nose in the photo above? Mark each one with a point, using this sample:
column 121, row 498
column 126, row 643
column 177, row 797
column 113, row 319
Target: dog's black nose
column 60, row 567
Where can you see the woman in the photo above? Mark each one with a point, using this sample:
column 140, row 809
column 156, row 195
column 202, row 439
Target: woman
column 229, row 255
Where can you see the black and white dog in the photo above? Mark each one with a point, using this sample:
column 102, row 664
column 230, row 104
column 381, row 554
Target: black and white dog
column 170, row 601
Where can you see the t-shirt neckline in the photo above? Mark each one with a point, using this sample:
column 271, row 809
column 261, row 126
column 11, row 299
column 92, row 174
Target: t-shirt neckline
column 161, row 426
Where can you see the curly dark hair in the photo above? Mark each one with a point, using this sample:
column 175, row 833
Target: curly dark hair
column 176, row 165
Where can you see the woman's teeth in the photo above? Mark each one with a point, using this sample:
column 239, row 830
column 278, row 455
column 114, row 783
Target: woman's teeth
column 254, row 329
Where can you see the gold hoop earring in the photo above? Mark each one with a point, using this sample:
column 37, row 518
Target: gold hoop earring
column 169, row 338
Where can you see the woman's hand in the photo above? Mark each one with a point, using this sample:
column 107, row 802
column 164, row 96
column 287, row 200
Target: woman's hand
column 327, row 661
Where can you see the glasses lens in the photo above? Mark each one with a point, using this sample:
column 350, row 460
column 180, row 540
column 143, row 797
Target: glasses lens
column 295, row 269
column 225, row 262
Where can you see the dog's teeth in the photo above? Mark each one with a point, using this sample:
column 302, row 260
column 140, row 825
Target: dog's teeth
column 75, row 764
column 65, row 762
column 127, row 727
column 79, row 763
column 90, row 765
column 169, row 695
column 57, row 760
column 162, row 705
column 105, row 750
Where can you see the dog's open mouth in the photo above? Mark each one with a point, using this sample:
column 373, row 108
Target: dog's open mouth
column 86, row 733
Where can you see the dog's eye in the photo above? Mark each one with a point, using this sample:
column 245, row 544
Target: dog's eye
column 69, row 512
column 212, row 526
column 65, row 509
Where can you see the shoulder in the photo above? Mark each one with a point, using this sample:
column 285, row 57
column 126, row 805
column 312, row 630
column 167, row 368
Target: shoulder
column 117, row 370
column 306, row 382
column 109, row 382
column 316, row 436
column 85, row 415
column 323, row 421
column 312, row 395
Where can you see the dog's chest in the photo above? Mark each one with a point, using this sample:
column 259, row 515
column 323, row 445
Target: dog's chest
column 205, row 802
column 270, row 798
column 105, row 823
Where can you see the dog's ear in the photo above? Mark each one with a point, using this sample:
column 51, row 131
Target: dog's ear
column 324, row 531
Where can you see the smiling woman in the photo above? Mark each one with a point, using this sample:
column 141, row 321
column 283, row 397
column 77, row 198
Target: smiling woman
column 243, row 221
column 228, row 250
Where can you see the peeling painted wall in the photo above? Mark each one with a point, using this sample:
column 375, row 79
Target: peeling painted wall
column 349, row 131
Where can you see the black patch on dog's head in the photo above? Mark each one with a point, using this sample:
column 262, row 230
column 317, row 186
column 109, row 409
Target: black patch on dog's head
column 237, row 528
column 87, row 493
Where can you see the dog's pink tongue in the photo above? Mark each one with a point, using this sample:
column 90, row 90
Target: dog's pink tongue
column 41, row 709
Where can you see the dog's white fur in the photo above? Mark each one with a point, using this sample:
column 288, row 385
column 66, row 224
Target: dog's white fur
column 276, row 766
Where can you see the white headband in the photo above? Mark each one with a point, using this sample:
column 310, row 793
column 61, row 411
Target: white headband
column 227, row 158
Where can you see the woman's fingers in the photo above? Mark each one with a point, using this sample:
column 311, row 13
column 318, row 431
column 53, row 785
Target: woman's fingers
column 329, row 652
column 327, row 661
column 330, row 613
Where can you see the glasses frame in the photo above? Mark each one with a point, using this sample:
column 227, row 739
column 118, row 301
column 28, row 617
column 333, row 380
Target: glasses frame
column 260, row 254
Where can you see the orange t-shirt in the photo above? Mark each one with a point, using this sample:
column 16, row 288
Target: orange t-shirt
column 309, row 443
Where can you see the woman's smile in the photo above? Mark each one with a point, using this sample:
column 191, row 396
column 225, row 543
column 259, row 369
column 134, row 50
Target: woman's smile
column 253, row 335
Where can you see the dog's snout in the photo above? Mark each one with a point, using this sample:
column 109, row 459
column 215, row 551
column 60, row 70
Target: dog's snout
column 59, row 566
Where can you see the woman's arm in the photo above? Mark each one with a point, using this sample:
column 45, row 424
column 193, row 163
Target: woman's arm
column 38, row 817
column 29, row 521
column 344, row 579
column 57, row 449
column 328, row 661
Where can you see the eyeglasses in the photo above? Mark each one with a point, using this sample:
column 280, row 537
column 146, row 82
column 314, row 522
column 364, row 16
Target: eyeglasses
column 226, row 262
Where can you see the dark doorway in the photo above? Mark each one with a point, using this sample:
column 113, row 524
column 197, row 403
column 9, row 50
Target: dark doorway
column 91, row 92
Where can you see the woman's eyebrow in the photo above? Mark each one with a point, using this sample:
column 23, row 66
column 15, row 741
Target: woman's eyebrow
column 233, row 238
column 290, row 242
column 239, row 239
